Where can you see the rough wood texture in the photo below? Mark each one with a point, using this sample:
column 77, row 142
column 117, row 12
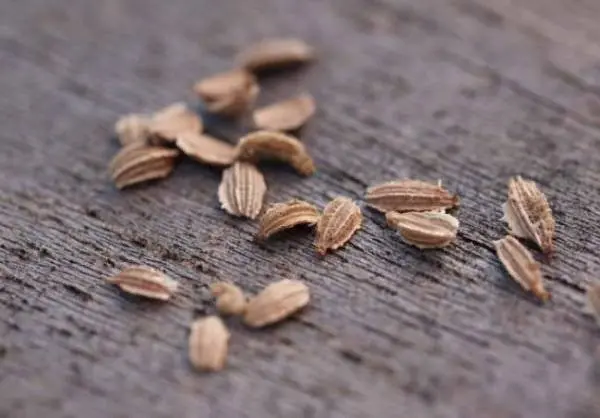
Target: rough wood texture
column 470, row 91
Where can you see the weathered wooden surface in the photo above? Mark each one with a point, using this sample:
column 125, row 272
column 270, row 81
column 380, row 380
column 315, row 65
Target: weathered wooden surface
column 470, row 91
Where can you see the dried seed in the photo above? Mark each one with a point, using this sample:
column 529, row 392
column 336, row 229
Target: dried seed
column 242, row 190
column 340, row 220
column 208, row 344
column 229, row 93
column 593, row 296
column 521, row 266
column 170, row 122
column 269, row 145
column 275, row 53
column 276, row 302
column 230, row 298
column 410, row 196
column 132, row 128
column 206, row 149
column 287, row 115
column 145, row 281
column 528, row 214
column 424, row 229
column 286, row 215
column 137, row 163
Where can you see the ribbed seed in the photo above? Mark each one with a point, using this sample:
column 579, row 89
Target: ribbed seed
column 137, row 163
column 145, row 281
column 424, row 229
column 242, row 190
column 276, row 302
column 281, row 216
column 287, row 115
column 208, row 344
column 275, row 53
column 410, row 196
column 341, row 218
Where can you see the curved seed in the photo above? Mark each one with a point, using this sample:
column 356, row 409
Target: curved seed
column 341, row 218
column 242, row 190
column 145, row 281
column 137, row 163
column 206, row 149
column 170, row 122
column 276, row 302
column 281, row 216
column 424, row 229
column 287, row 115
column 275, row 53
column 230, row 298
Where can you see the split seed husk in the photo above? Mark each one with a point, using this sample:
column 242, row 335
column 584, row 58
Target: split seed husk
column 145, row 281
column 206, row 149
column 286, row 215
column 287, row 115
column 137, row 163
column 528, row 213
column 593, row 296
column 230, row 93
column 410, row 196
column 276, row 302
column 424, row 229
column 269, row 145
column 208, row 344
column 170, row 122
column 341, row 218
column 242, row 190
column 275, row 54
column 521, row 266
column 230, row 298
column 132, row 128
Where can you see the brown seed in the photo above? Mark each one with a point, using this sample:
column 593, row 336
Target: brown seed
column 132, row 128
column 528, row 214
column 424, row 229
column 145, row 281
column 170, row 122
column 521, row 266
column 287, row 115
column 593, row 296
column 206, row 149
column 275, row 53
column 276, row 302
column 341, row 218
column 287, row 215
column 208, row 344
column 229, row 93
column 230, row 298
column 410, row 196
column 136, row 163
column 270, row 145
column 242, row 190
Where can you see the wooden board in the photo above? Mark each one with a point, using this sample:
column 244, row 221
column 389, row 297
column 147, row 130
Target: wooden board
column 468, row 91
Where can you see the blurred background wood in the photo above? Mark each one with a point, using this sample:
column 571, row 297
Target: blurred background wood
column 469, row 91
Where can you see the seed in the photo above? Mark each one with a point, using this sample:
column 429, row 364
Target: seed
column 206, row 149
column 145, row 281
column 286, row 215
column 409, row 196
column 528, row 214
column 275, row 53
column 287, row 115
column 276, row 302
column 521, row 266
column 340, row 220
column 229, row 93
column 593, row 295
column 269, row 145
column 424, row 229
column 136, row 163
column 132, row 128
column 208, row 344
column 170, row 122
column 230, row 298
column 242, row 190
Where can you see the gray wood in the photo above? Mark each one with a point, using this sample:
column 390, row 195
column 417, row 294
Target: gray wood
column 469, row 91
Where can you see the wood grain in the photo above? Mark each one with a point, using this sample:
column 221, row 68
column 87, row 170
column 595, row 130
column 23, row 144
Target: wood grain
column 468, row 91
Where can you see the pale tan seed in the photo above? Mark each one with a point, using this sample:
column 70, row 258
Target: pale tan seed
column 341, row 218
column 424, row 229
column 136, row 163
column 208, row 344
column 206, row 149
column 270, row 145
column 145, row 281
column 410, row 196
column 521, row 266
column 230, row 93
column 593, row 297
column 276, row 302
column 230, row 298
column 275, row 53
column 242, row 190
column 287, row 115
column 281, row 216
column 528, row 213
column 132, row 128
column 170, row 122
